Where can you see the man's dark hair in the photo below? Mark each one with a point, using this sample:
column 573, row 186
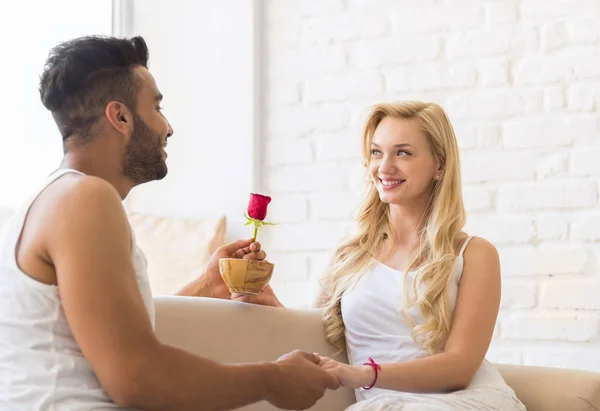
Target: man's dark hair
column 83, row 75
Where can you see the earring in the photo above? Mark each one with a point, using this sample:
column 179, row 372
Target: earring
column 437, row 177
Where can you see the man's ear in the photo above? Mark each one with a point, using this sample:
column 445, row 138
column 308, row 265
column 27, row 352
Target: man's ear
column 119, row 116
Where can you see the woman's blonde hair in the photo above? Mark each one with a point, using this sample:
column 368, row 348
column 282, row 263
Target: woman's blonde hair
column 433, row 260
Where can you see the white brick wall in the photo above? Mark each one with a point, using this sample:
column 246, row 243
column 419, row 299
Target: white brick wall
column 521, row 82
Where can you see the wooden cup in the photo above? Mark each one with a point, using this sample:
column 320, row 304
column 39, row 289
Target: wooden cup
column 245, row 276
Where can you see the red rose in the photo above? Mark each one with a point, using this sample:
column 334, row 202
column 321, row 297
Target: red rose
column 257, row 207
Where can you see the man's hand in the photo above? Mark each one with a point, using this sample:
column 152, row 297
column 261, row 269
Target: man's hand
column 265, row 297
column 300, row 382
column 244, row 249
column 210, row 284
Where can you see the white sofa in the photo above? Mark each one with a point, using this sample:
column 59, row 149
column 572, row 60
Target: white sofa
column 229, row 331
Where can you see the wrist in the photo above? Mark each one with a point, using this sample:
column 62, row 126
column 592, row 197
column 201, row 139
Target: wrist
column 257, row 380
column 269, row 374
column 367, row 375
column 376, row 368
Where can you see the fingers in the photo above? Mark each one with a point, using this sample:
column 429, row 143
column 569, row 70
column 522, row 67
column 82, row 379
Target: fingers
column 332, row 382
column 252, row 248
column 261, row 255
column 247, row 249
column 314, row 358
column 241, row 297
column 233, row 247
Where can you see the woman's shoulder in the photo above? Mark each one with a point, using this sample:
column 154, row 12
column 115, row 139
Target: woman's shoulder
column 478, row 248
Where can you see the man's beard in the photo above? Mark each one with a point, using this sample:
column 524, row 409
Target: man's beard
column 143, row 159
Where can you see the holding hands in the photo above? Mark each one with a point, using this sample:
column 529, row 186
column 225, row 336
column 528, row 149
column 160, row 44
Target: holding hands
column 300, row 381
column 348, row 375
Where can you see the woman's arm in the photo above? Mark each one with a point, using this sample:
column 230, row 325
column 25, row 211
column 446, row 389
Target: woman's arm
column 473, row 324
column 265, row 297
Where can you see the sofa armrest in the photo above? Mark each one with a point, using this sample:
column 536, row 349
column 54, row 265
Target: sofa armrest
column 553, row 389
column 234, row 332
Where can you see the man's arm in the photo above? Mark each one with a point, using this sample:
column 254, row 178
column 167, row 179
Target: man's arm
column 90, row 247
column 197, row 288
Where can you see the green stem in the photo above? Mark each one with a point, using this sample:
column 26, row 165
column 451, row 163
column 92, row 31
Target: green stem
column 255, row 232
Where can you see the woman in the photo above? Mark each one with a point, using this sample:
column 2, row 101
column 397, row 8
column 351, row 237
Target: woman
column 412, row 298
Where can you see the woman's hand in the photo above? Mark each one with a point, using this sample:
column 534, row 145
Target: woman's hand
column 265, row 297
column 348, row 375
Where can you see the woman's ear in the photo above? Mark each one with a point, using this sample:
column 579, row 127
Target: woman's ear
column 119, row 117
column 439, row 172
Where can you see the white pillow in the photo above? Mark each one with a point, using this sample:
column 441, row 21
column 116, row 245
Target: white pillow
column 177, row 249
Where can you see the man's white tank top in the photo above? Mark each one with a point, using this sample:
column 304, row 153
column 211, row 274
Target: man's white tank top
column 41, row 365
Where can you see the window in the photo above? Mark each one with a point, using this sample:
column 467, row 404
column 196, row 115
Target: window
column 31, row 144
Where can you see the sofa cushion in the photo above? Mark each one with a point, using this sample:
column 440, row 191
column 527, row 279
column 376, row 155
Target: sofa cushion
column 177, row 249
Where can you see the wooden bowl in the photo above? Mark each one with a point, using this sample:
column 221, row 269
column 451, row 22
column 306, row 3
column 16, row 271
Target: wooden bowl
column 245, row 276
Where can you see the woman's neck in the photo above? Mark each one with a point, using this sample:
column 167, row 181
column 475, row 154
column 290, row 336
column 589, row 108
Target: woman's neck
column 406, row 224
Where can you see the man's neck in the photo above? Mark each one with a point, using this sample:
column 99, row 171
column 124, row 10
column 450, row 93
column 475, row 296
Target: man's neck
column 102, row 167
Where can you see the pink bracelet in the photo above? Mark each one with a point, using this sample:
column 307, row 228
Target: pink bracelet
column 377, row 368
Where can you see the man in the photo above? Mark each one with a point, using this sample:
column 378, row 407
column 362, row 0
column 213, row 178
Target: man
column 76, row 313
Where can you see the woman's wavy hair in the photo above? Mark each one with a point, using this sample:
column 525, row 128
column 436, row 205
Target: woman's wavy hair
column 433, row 260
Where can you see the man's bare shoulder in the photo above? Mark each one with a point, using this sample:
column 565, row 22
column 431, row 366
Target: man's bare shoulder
column 68, row 210
column 76, row 190
column 82, row 201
